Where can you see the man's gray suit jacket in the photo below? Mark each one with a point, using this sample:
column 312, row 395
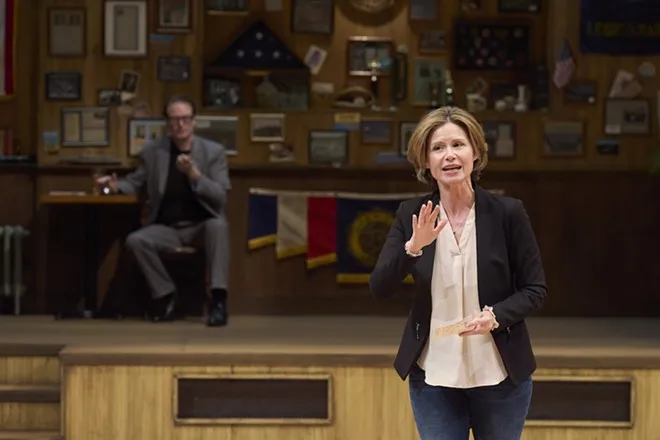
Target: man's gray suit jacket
column 211, row 188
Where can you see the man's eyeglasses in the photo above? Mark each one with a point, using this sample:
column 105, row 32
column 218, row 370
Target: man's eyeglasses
column 180, row 119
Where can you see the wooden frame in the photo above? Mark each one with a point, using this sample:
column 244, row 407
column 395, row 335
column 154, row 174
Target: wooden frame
column 71, row 76
column 135, row 144
column 432, row 47
column 366, row 122
column 493, row 152
column 380, row 43
column 204, row 124
column 162, row 24
column 618, row 108
column 51, row 12
column 251, row 421
column 81, row 112
column 441, row 91
column 335, row 133
column 587, row 423
column 403, row 141
column 325, row 28
column 519, row 6
column 279, row 117
column 109, row 32
column 547, row 144
column 575, row 92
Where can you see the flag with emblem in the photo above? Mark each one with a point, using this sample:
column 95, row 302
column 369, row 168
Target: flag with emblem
column 262, row 218
column 321, row 230
column 363, row 222
column 564, row 66
column 8, row 32
column 291, row 224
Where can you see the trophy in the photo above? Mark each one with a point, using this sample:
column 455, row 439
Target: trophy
column 374, row 66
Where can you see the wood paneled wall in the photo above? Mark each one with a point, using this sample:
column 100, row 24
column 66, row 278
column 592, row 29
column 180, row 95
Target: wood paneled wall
column 595, row 229
column 213, row 33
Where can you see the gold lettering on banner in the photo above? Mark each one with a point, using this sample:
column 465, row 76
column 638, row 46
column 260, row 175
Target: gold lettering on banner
column 613, row 29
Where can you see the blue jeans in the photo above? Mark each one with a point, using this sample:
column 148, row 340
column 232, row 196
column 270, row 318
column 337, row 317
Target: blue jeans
column 495, row 412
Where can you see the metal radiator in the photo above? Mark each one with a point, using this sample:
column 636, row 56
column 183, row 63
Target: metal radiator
column 11, row 280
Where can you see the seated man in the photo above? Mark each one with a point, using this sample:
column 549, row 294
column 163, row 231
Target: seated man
column 187, row 183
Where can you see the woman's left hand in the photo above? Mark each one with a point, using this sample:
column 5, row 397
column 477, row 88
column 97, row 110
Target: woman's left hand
column 481, row 324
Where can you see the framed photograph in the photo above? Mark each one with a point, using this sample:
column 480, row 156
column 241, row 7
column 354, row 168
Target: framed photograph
column 432, row 41
column 129, row 81
column 501, row 139
column 63, row 86
column 376, row 131
column 369, row 56
column 222, row 93
column 627, row 116
column 174, row 16
column 406, row 130
column 174, row 69
column 428, row 86
column 581, row 92
column 312, row 16
column 328, row 147
column 66, row 32
column 220, row 129
column 426, row 10
column 267, row 127
column 563, row 138
column 109, row 97
column 315, row 58
column 85, row 126
column 519, row 6
column 226, row 6
column 125, row 28
column 140, row 131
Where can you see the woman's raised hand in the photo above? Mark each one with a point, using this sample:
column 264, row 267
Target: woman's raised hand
column 425, row 229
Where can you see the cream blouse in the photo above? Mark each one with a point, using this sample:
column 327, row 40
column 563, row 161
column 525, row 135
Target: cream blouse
column 448, row 359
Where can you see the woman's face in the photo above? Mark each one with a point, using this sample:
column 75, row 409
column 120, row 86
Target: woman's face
column 450, row 155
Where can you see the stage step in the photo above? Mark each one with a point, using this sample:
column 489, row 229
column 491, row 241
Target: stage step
column 29, row 392
column 30, row 435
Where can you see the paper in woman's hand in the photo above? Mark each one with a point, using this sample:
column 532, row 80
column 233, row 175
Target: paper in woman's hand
column 452, row 329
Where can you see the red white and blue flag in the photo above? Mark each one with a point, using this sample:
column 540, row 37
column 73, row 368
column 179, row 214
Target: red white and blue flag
column 564, row 67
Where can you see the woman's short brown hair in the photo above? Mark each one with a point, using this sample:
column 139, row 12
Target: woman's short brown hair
column 419, row 141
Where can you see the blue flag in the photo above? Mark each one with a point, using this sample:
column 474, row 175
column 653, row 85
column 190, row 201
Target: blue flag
column 363, row 222
column 262, row 222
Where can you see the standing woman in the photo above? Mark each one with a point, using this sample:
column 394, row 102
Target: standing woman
column 478, row 275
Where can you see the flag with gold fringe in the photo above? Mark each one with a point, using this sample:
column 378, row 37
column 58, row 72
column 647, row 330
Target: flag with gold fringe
column 262, row 218
column 8, row 36
column 363, row 222
column 321, row 230
column 291, row 224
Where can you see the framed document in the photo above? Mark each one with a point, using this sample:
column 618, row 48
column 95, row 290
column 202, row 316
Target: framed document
column 312, row 16
column 63, row 86
column 125, row 28
column 174, row 15
column 85, row 126
column 267, row 127
column 173, row 69
column 328, row 147
column 220, row 129
column 66, row 32
column 141, row 131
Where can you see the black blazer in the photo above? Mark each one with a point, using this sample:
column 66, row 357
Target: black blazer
column 510, row 276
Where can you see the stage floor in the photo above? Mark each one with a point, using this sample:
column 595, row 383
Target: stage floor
column 309, row 340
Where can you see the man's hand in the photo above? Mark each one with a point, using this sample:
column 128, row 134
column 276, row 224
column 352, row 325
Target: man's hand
column 108, row 182
column 185, row 164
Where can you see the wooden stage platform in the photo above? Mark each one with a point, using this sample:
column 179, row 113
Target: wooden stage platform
column 309, row 340
column 597, row 378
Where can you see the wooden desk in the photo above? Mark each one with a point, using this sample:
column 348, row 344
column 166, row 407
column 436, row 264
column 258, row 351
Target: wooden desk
column 91, row 248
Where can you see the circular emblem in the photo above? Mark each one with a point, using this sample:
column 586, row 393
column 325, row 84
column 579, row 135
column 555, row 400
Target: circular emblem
column 367, row 235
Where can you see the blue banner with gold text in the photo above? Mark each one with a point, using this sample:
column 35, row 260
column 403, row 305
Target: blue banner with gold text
column 620, row 27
